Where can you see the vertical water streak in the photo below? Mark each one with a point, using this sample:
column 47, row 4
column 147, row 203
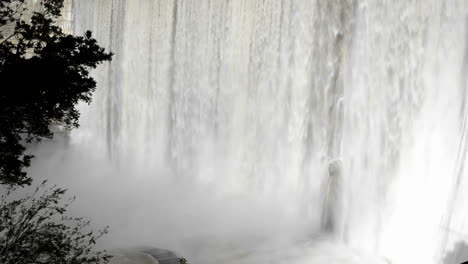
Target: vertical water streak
column 343, row 114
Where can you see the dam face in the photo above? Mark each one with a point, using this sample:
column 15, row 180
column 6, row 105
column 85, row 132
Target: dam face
column 253, row 104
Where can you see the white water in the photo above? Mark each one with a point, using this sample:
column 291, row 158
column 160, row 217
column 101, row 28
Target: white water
column 225, row 125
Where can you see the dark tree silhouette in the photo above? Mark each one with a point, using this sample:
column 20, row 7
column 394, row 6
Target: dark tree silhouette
column 34, row 229
column 43, row 74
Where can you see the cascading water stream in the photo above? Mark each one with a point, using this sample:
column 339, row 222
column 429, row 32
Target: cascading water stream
column 249, row 120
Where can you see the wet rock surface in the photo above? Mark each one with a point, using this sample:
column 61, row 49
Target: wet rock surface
column 163, row 256
column 144, row 256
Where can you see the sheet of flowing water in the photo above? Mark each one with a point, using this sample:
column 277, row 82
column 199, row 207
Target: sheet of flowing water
column 240, row 122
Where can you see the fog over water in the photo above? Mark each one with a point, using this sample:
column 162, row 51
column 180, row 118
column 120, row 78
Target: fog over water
column 267, row 131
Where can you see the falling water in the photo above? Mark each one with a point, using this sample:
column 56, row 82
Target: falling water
column 340, row 119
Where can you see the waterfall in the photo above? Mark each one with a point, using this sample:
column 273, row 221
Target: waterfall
column 344, row 118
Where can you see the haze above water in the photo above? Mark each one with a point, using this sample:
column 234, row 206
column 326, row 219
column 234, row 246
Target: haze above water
column 274, row 131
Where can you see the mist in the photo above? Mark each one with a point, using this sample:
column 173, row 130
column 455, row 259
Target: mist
column 201, row 221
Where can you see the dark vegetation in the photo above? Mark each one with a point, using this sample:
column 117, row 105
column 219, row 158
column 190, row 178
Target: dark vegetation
column 44, row 72
column 34, row 229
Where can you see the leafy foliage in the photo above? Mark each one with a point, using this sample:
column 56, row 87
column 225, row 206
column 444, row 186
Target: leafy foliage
column 44, row 73
column 35, row 229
